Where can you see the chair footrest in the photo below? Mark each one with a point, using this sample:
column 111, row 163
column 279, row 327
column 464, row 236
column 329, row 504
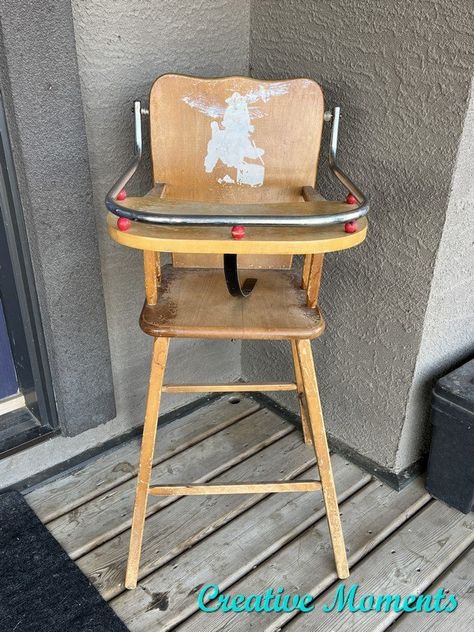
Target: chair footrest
column 226, row 388
column 235, row 488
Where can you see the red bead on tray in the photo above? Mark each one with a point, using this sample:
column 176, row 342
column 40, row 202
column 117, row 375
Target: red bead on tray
column 121, row 195
column 238, row 232
column 350, row 227
column 351, row 199
column 123, row 223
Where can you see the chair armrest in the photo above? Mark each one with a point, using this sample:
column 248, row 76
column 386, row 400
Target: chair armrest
column 156, row 210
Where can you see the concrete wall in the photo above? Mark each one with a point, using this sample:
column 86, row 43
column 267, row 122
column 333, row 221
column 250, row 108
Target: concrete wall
column 448, row 333
column 401, row 72
column 122, row 46
column 42, row 98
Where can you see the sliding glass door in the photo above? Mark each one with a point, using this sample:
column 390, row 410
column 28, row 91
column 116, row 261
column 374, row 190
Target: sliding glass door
column 27, row 411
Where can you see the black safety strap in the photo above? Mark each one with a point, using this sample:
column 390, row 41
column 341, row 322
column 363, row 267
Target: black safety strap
column 232, row 278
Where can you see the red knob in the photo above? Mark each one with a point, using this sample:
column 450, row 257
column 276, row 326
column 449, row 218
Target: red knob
column 123, row 223
column 350, row 199
column 350, row 227
column 121, row 195
column 238, row 232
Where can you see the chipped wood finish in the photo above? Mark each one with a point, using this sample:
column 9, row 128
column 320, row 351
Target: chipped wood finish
column 313, row 264
column 314, row 280
column 237, row 146
column 151, row 259
column 276, row 310
column 262, row 111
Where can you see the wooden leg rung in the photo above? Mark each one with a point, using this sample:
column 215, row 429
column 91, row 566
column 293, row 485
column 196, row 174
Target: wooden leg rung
column 235, row 488
column 227, row 388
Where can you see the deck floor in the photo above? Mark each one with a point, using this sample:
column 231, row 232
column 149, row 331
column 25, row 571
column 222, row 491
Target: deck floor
column 404, row 542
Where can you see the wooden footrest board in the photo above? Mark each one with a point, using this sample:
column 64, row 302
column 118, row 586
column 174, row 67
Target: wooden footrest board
column 227, row 388
column 235, row 488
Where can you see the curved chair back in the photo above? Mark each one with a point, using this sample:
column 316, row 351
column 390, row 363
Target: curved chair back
column 235, row 140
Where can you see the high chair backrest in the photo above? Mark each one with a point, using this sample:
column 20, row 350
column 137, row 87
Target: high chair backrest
column 235, row 140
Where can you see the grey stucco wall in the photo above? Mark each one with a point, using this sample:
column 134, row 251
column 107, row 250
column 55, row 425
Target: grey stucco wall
column 401, row 72
column 122, row 46
column 448, row 333
column 42, row 98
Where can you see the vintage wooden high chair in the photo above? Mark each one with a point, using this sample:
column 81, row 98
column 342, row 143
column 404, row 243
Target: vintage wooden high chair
column 234, row 166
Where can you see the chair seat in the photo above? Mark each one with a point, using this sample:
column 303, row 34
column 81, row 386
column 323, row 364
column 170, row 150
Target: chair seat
column 195, row 303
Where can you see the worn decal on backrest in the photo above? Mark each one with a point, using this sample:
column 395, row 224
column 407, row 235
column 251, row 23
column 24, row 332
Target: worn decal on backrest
column 231, row 134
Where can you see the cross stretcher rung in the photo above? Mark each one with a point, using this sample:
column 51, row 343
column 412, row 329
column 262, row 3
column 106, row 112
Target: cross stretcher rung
column 226, row 388
column 235, row 488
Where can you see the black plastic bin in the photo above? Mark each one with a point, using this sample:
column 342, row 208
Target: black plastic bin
column 451, row 461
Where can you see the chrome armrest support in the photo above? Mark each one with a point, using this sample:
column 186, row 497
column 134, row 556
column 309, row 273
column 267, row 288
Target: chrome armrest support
column 344, row 179
column 121, row 210
column 110, row 202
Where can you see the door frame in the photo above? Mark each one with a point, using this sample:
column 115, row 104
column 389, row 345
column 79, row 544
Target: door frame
column 22, row 310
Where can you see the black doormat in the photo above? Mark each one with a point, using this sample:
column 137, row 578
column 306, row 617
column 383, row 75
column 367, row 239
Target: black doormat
column 41, row 589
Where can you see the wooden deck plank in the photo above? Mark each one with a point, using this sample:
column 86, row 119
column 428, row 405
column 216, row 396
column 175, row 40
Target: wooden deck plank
column 98, row 475
column 306, row 564
column 105, row 516
column 405, row 564
column 402, row 543
column 457, row 580
column 181, row 525
column 233, row 550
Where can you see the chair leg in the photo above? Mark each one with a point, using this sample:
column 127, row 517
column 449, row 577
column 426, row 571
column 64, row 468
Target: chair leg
column 322, row 455
column 300, row 391
column 158, row 363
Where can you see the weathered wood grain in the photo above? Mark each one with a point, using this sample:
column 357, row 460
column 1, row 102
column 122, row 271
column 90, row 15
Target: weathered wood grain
column 405, row 564
column 177, row 527
column 230, row 552
column 306, row 565
column 93, row 523
column 248, row 543
column 457, row 580
column 98, row 475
